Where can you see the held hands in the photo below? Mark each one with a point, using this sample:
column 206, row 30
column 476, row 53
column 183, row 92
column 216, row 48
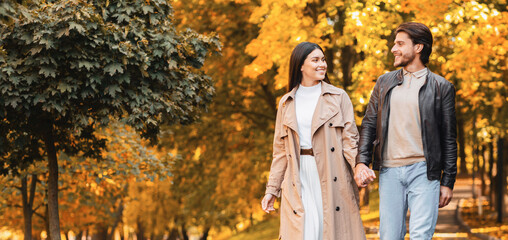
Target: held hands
column 363, row 175
column 267, row 203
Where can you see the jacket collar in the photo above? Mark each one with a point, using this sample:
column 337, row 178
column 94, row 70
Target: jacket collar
column 417, row 74
column 326, row 107
column 399, row 75
column 326, row 88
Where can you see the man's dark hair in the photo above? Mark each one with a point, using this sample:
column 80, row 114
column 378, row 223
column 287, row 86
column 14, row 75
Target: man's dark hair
column 419, row 34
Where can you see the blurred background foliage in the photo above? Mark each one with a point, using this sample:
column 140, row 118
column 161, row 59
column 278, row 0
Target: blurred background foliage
column 205, row 178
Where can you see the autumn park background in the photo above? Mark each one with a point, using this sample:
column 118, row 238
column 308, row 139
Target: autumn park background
column 153, row 119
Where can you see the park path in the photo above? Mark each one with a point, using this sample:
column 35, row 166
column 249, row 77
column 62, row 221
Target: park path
column 447, row 227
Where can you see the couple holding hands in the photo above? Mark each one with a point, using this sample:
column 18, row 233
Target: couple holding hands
column 320, row 159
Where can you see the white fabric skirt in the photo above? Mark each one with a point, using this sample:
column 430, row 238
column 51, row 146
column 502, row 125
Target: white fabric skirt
column 311, row 198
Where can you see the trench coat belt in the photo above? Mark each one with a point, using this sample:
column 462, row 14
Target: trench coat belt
column 307, row 152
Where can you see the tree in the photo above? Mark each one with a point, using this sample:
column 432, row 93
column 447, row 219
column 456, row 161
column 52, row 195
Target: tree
column 92, row 194
column 68, row 67
column 239, row 124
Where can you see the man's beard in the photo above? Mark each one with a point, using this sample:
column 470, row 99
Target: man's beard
column 405, row 60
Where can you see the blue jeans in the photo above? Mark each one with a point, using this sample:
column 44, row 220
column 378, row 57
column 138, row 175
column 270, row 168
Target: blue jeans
column 400, row 187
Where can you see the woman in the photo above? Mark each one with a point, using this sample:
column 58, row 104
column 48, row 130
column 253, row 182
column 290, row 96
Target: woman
column 314, row 151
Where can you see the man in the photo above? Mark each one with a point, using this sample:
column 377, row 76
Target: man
column 409, row 127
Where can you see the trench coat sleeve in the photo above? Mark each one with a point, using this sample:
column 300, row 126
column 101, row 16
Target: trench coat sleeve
column 350, row 136
column 448, row 139
column 368, row 129
column 279, row 161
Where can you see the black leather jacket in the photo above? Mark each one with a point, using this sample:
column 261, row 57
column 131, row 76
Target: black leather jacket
column 437, row 114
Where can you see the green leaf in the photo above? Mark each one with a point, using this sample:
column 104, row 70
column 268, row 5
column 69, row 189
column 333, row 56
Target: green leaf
column 13, row 102
column 63, row 31
column 123, row 18
column 85, row 64
column 35, row 50
column 113, row 68
column 79, row 28
column 172, row 64
column 64, row 87
column 147, row 9
column 9, row 70
column 47, row 71
column 113, row 89
column 39, row 99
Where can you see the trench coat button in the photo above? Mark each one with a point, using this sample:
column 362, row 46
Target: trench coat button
column 294, row 211
column 333, row 149
column 331, row 124
column 337, row 208
column 335, row 179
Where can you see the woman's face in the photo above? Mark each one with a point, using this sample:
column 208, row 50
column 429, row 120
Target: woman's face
column 314, row 66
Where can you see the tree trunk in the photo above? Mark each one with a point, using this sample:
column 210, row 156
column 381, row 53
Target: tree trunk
column 475, row 156
column 184, row 233
column 482, row 171
column 54, row 219
column 140, row 234
column 173, row 234
column 329, row 55
column 46, row 220
column 100, row 233
column 462, row 144
column 79, row 236
column 205, row 234
column 347, row 61
column 491, row 176
column 28, row 200
column 366, row 196
column 500, row 181
column 118, row 217
column 251, row 218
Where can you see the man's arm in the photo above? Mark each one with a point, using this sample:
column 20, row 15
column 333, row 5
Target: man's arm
column 368, row 129
column 364, row 175
column 449, row 136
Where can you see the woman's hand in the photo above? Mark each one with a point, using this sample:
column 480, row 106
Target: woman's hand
column 267, row 203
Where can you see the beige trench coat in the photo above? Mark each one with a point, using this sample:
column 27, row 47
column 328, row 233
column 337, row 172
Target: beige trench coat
column 335, row 142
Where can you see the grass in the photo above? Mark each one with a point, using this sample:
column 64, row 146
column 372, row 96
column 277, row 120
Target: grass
column 268, row 229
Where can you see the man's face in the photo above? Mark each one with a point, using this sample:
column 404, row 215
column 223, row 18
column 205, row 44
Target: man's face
column 404, row 50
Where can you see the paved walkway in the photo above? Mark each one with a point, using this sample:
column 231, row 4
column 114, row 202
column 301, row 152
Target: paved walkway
column 447, row 227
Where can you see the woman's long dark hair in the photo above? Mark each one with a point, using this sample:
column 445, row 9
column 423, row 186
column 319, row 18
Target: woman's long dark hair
column 298, row 56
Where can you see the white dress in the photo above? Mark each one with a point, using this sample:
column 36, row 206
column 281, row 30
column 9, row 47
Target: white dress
column 306, row 99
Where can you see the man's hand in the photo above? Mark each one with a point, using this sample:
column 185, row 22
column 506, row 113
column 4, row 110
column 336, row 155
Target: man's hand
column 445, row 196
column 267, row 203
column 363, row 175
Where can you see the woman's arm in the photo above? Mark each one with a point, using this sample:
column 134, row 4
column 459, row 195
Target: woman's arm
column 279, row 162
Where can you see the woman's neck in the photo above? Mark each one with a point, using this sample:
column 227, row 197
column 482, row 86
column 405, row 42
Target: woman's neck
column 309, row 83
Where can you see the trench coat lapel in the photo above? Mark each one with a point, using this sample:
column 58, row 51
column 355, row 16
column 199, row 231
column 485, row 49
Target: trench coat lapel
column 290, row 112
column 326, row 107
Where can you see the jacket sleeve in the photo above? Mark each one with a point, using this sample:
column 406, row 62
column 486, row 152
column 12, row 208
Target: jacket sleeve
column 448, row 136
column 279, row 161
column 350, row 135
column 368, row 129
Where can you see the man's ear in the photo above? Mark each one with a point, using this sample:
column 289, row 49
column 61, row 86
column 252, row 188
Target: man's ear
column 419, row 48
